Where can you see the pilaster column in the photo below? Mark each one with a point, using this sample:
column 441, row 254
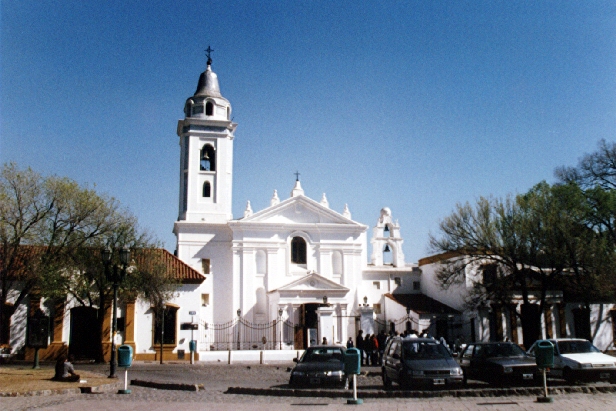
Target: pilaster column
column 129, row 325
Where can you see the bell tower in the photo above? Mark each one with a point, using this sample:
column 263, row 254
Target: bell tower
column 387, row 242
column 206, row 155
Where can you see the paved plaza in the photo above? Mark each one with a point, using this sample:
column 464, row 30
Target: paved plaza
column 217, row 378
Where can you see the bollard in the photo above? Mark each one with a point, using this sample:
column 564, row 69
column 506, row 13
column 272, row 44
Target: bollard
column 352, row 366
column 544, row 357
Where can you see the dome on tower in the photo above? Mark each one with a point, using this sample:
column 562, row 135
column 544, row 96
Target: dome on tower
column 207, row 103
column 208, row 83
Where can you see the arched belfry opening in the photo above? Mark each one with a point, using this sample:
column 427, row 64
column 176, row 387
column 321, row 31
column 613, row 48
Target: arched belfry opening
column 209, row 108
column 208, row 158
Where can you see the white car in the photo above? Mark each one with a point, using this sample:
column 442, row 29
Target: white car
column 577, row 359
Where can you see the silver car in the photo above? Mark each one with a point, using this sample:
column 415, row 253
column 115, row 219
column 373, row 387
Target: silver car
column 577, row 359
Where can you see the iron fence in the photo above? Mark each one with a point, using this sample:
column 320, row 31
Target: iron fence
column 240, row 334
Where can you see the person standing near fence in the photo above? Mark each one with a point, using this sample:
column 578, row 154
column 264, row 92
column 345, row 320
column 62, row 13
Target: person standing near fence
column 359, row 344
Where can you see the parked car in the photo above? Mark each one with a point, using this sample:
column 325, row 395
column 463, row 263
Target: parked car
column 577, row 359
column 320, row 365
column 419, row 361
column 497, row 363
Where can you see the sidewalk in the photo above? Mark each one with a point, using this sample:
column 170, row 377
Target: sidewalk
column 22, row 379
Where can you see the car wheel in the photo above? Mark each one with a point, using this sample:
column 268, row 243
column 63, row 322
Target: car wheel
column 386, row 380
column 568, row 376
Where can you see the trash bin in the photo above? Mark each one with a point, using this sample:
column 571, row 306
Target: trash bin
column 192, row 345
column 125, row 356
column 544, row 354
column 352, row 361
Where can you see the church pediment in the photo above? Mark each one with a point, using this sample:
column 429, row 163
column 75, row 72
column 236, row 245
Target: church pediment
column 312, row 282
column 299, row 210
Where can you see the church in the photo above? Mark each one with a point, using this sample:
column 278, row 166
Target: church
column 297, row 261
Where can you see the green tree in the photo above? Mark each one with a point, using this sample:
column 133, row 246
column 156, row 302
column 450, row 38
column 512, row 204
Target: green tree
column 51, row 233
column 529, row 245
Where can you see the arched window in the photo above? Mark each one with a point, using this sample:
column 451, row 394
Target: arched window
column 386, row 232
column 208, row 158
column 207, row 189
column 209, row 108
column 298, row 250
column 387, row 255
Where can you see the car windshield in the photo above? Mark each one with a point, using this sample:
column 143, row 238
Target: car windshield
column 424, row 350
column 576, row 347
column 323, row 354
column 500, row 350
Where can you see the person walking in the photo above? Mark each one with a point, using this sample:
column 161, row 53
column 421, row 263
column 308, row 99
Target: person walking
column 359, row 344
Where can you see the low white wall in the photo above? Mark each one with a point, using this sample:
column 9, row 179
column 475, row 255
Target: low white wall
column 252, row 356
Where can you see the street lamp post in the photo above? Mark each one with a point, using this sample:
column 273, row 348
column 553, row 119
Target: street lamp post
column 115, row 273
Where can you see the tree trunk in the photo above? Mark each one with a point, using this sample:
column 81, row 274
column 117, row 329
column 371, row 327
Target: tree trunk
column 531, row 324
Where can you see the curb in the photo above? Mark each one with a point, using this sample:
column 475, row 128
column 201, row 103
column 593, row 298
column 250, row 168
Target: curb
column 166, row 386
column 487, row 392
column 64, row 391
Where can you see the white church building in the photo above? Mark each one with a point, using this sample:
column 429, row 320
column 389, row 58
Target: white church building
column 296, row 261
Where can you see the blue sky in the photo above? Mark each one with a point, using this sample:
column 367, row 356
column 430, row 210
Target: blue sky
column 414, row 105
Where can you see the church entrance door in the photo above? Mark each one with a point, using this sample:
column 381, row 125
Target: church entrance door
column 308, row 320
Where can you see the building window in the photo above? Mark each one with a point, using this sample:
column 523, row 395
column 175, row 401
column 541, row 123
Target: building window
column 209, row 108
column 416, row 285
column 398, row 280
column 205, row 300
column 298, row 250
column 208, row 158
column 167, row 323
column 377, row 308
column 489, row 275
column 207, row 189
column 377, row 285
column 205, row 265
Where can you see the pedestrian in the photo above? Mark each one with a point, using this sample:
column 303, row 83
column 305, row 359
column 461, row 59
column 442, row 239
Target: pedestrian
column 369, row 348
column 375, row 350
column 324, row 342
column 65, row 370
column 359, row 343
column 350, row 343
column 381, row 339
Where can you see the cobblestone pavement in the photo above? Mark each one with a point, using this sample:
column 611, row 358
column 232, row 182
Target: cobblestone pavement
column 217, row 378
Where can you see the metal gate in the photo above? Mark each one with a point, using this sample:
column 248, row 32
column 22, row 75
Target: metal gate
column 241, row 334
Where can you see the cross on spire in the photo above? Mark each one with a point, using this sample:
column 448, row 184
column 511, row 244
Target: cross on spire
column 208, row 53
column 296, row 176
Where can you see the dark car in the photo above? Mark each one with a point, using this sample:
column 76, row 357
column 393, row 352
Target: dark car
column 419, row 362
column 498, row 363
column 320, row 365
